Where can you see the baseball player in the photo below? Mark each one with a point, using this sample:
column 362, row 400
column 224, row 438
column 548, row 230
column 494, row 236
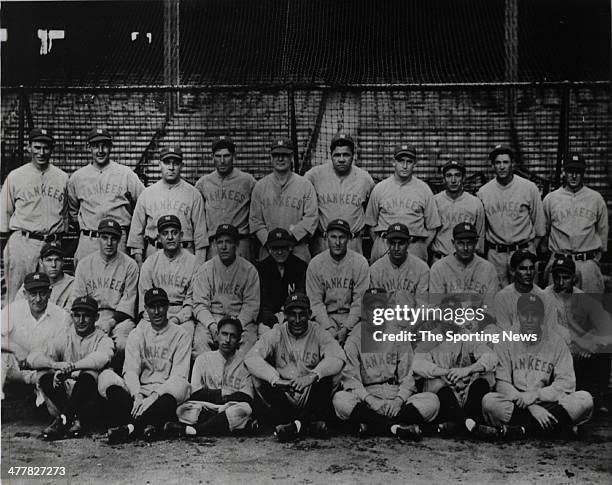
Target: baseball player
column 154, row 375
column 26, row 326
column 342, row 191
column 404, row 276
column 227, row 195
column 513, row 210
column 170, row 195
column 52, row 264
column 456, row 206
column 292, row 367
column 101, row 189
column 226, row 285
column 111, row 278
column 172, row 269
column 280, row 275
column 577, row 224
column 69, row 365
column 535, row 389
column 33, row 212
column 284, row 199
column 222, row 389
column 336, row 281
column 403, row 198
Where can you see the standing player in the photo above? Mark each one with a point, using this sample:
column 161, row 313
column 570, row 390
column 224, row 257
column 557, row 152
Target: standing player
column 293, row 366
column 342, row 192
column 101, row 189
column 170, row 195
column 336, row 281
column 456, row 206
column 514, row 213
column 227, row 195
column 406, row 199
column 577, row 223
column 34, row 210
column 284, row 199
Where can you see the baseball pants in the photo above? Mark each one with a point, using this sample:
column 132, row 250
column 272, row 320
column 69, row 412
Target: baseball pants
column 177, row 387
column 21, row 256
column 379, row 249
column 76, row 397
column 588, row 275
column 199, row 413
column 117, row 331
column 243, row 249
column 88, row 245
column 10, row 371
column 501, row 262
column 318, row 244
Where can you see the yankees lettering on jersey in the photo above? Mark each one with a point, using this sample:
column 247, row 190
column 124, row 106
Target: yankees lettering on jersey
column 465, row 208
column 449, row 275
column 222, row 195
column 411, row 277
column 532, row 363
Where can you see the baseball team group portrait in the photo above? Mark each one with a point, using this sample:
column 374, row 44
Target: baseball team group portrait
column 207, row 207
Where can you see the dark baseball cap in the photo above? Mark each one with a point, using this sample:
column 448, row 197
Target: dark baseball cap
column 342, row 139
column 465, row 230
column 230, row 321
column 574, row 161
column 223, row 142
column 339, row 224
column 85, row 303
column 171, row 152
column 282, row 145
column 453, row 164
column 155, row 295
column 298, row 300
column 36, row 280
column 397, row 231
column 109, row 226
column 498, row 149
column 404, row 149
column 41, row 134
column 563, row 263
column 53, row 247
column 98, row 134
column 529, row 301
column 521, row 255
column 227, row 230
column 280, row 237
column 169, row 220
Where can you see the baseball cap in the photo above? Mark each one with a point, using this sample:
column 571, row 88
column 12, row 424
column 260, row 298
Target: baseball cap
column 453, row 164
column 397, row 231
column 223, row 142
column 465, row 230
column 230, row 321
column 98, row 134
column 575, row 161
column 36, row 280
column 563, row 263
column 339, row 224
column 404, row 149
column 279, row 237
column 282, row 145
column 169, row 220
column 155, row 295
column 41, row 134
column 85, row 303
column 529, row 301
column 171, row 152
column 521, row 255
column 497, row 149
column 109, row 226
column 298, row 300
column 53, row 247
column 227, row 230
column 342, row 139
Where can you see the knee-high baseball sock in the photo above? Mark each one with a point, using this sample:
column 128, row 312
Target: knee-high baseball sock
column 409, row 415
column 522, row 417
column 473, row 404
column 57, row 395
column 215, row 425
column 120, row 404
column 319, row 405
column 379, row 423
column 162, row 410
column 450, row 410
column 84, row 394
column 564, row 421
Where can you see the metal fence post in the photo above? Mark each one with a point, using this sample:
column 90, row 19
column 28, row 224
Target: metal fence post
column 21, row 129
column 563, row 141
column 293, row 128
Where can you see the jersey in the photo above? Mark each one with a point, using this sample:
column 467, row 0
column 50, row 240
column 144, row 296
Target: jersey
column 576, row 222
column 113, row 284
column 212, row 371
column 227, row 199
column 449, row 276
column 465, row 208
column 160, row 199
column 514, row 212
column 337, row 287
column 35, row 201
column 94, row 194
column 61, row 292
column 341, row 197
column 410, row 203
column 406, row 283
column 504, row 307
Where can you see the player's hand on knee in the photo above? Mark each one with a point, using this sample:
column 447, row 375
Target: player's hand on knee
column 544, row 418
column 299, row 384
column 457, row 374
column 136, row 408
column 394, row 407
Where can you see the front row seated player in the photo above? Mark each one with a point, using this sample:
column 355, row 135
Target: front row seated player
column 378, row 391
column 69, row 365
column 293, row 366
column 155, row 371
column 535, row 385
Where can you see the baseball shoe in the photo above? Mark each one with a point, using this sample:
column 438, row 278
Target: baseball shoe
column 56, row 430
column 511, row 433
column 363, row 430
column 120, row 434
column 448, row 428
column 76, row 430
column 174, row 430
column 150, row 432
column 318, row 429
column 253, row 427
column 410, row 432
column 505, row 432
column 286, row 432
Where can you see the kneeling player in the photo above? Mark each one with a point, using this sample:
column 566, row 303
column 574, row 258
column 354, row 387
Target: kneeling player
column 154, row 374
column 535, row 383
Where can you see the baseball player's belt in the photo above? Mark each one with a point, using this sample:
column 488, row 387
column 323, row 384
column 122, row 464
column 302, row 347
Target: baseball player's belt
column 391, row 380
column 89, row 233
column 158, row 245
column 583, row 256
column 40, row 237
column 507, row 248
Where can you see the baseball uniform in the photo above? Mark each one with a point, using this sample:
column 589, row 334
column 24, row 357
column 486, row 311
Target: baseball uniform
column 340, row 198
column 410, row 203
column 227, row 201
column 407, row 283
column 61, row 292
column 514, row 217
column 291, row 206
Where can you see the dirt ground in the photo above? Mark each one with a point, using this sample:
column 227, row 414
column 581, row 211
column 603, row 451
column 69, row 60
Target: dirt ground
column 341, row 459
